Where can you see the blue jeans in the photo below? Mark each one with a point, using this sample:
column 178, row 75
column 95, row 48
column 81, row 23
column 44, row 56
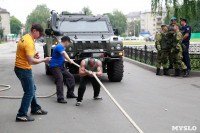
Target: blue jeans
column 29, row 98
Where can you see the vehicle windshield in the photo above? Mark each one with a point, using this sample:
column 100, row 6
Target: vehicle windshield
column 83, row 26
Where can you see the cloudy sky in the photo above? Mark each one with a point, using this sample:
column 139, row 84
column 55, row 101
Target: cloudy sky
column 22, row 8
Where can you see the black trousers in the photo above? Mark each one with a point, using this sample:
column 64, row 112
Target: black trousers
column 82, row 87
column 62, row 75
column 186, row 58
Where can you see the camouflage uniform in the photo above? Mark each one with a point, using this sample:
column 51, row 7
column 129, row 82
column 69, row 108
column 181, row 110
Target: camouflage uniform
column 170, row 34
column 177, row 53
column 163, row 52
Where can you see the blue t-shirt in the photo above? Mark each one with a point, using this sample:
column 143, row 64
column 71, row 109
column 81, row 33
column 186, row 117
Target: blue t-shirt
column 186, row 29
column 57, row 59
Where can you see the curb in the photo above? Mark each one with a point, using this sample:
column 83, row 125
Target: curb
column 152, row 68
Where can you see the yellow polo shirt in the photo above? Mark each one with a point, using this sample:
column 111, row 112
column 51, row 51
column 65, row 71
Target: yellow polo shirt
column 25, row 47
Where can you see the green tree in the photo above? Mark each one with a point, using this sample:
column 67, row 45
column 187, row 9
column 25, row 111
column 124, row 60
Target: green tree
column 1, row 30
column 39, row 15
column 189, row 9
column 66, row 12
column 137, row 27
column 87, row 11
column 131, row 28
column 15, row 25
column 118, row 21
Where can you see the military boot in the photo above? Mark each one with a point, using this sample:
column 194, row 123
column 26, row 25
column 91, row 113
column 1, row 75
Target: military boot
column 165, row 71
column 177, row 73
column 185, row 73
column 170, row 67
column 158, row 71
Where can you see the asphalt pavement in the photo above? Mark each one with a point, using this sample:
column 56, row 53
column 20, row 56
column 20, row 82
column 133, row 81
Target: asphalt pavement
column 155, row 103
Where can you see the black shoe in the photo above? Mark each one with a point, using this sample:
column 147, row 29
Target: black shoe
column 170, row 67
column 61, row 101
column 158, row 71
column 165, row 71
column 39, row 112
column 24, row 118
column 177, row 73
column 186, row 73
column 72, row 96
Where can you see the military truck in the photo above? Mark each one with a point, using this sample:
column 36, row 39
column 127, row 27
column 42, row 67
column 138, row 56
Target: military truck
column 91, row 36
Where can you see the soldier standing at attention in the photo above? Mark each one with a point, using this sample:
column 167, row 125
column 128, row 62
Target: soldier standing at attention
column 163, row 50
column 170, row 39
column 177, row 53
column 88, row 67
column 186, row 29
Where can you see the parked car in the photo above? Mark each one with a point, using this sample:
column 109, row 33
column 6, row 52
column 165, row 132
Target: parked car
column 17, row 40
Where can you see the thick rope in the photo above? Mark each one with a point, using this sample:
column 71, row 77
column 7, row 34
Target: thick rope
column 116, row 103
column 7, row 87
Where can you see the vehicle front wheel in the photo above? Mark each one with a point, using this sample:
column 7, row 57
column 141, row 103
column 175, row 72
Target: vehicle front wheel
column 115, row 71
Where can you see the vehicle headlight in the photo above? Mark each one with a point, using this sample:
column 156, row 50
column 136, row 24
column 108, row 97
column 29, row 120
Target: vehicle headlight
column 71, row 54
column 56, row 43
column 112, row 54
column 112, row 48
column 118, row 46
column 70, row 48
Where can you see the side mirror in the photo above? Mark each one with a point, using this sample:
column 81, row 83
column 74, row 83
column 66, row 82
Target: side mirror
column 48, row 31
column 116, row 32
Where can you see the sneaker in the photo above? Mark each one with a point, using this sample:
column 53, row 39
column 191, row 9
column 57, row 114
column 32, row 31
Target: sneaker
column 24, row 118
column 78, row 103
column 39, row 112
column 97, row 98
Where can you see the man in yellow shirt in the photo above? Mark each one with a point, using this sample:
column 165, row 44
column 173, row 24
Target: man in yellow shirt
column 23, row 69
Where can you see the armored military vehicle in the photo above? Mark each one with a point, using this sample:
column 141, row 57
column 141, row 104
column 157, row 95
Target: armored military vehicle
column 91, row 36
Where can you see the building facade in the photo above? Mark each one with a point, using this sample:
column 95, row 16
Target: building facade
column 133, row 16
column 5, row 21
column 151, row 23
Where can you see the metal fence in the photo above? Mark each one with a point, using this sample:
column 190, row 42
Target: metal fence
column 147, row 56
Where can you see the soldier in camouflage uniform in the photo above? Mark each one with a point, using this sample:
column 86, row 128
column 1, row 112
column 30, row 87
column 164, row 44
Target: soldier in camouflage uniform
column 177, row 53
column 163, row 50
column 169, row 35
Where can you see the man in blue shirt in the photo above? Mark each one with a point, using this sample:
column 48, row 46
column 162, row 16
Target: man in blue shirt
column 60, row 73
column 186, row 29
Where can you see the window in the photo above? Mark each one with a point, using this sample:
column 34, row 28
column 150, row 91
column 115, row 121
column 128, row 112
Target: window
column 83, row 26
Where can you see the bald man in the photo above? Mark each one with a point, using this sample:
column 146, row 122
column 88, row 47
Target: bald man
column 88, row 67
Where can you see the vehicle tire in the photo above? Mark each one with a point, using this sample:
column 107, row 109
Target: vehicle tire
column 115, row 71
column 48, row 72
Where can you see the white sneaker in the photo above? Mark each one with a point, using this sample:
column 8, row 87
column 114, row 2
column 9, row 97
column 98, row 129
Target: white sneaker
column 98, row 98
column 78, row 103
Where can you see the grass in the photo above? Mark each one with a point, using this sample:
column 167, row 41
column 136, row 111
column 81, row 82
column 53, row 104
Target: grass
column 3, row 42
column 195, row 40
column 129, row 42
